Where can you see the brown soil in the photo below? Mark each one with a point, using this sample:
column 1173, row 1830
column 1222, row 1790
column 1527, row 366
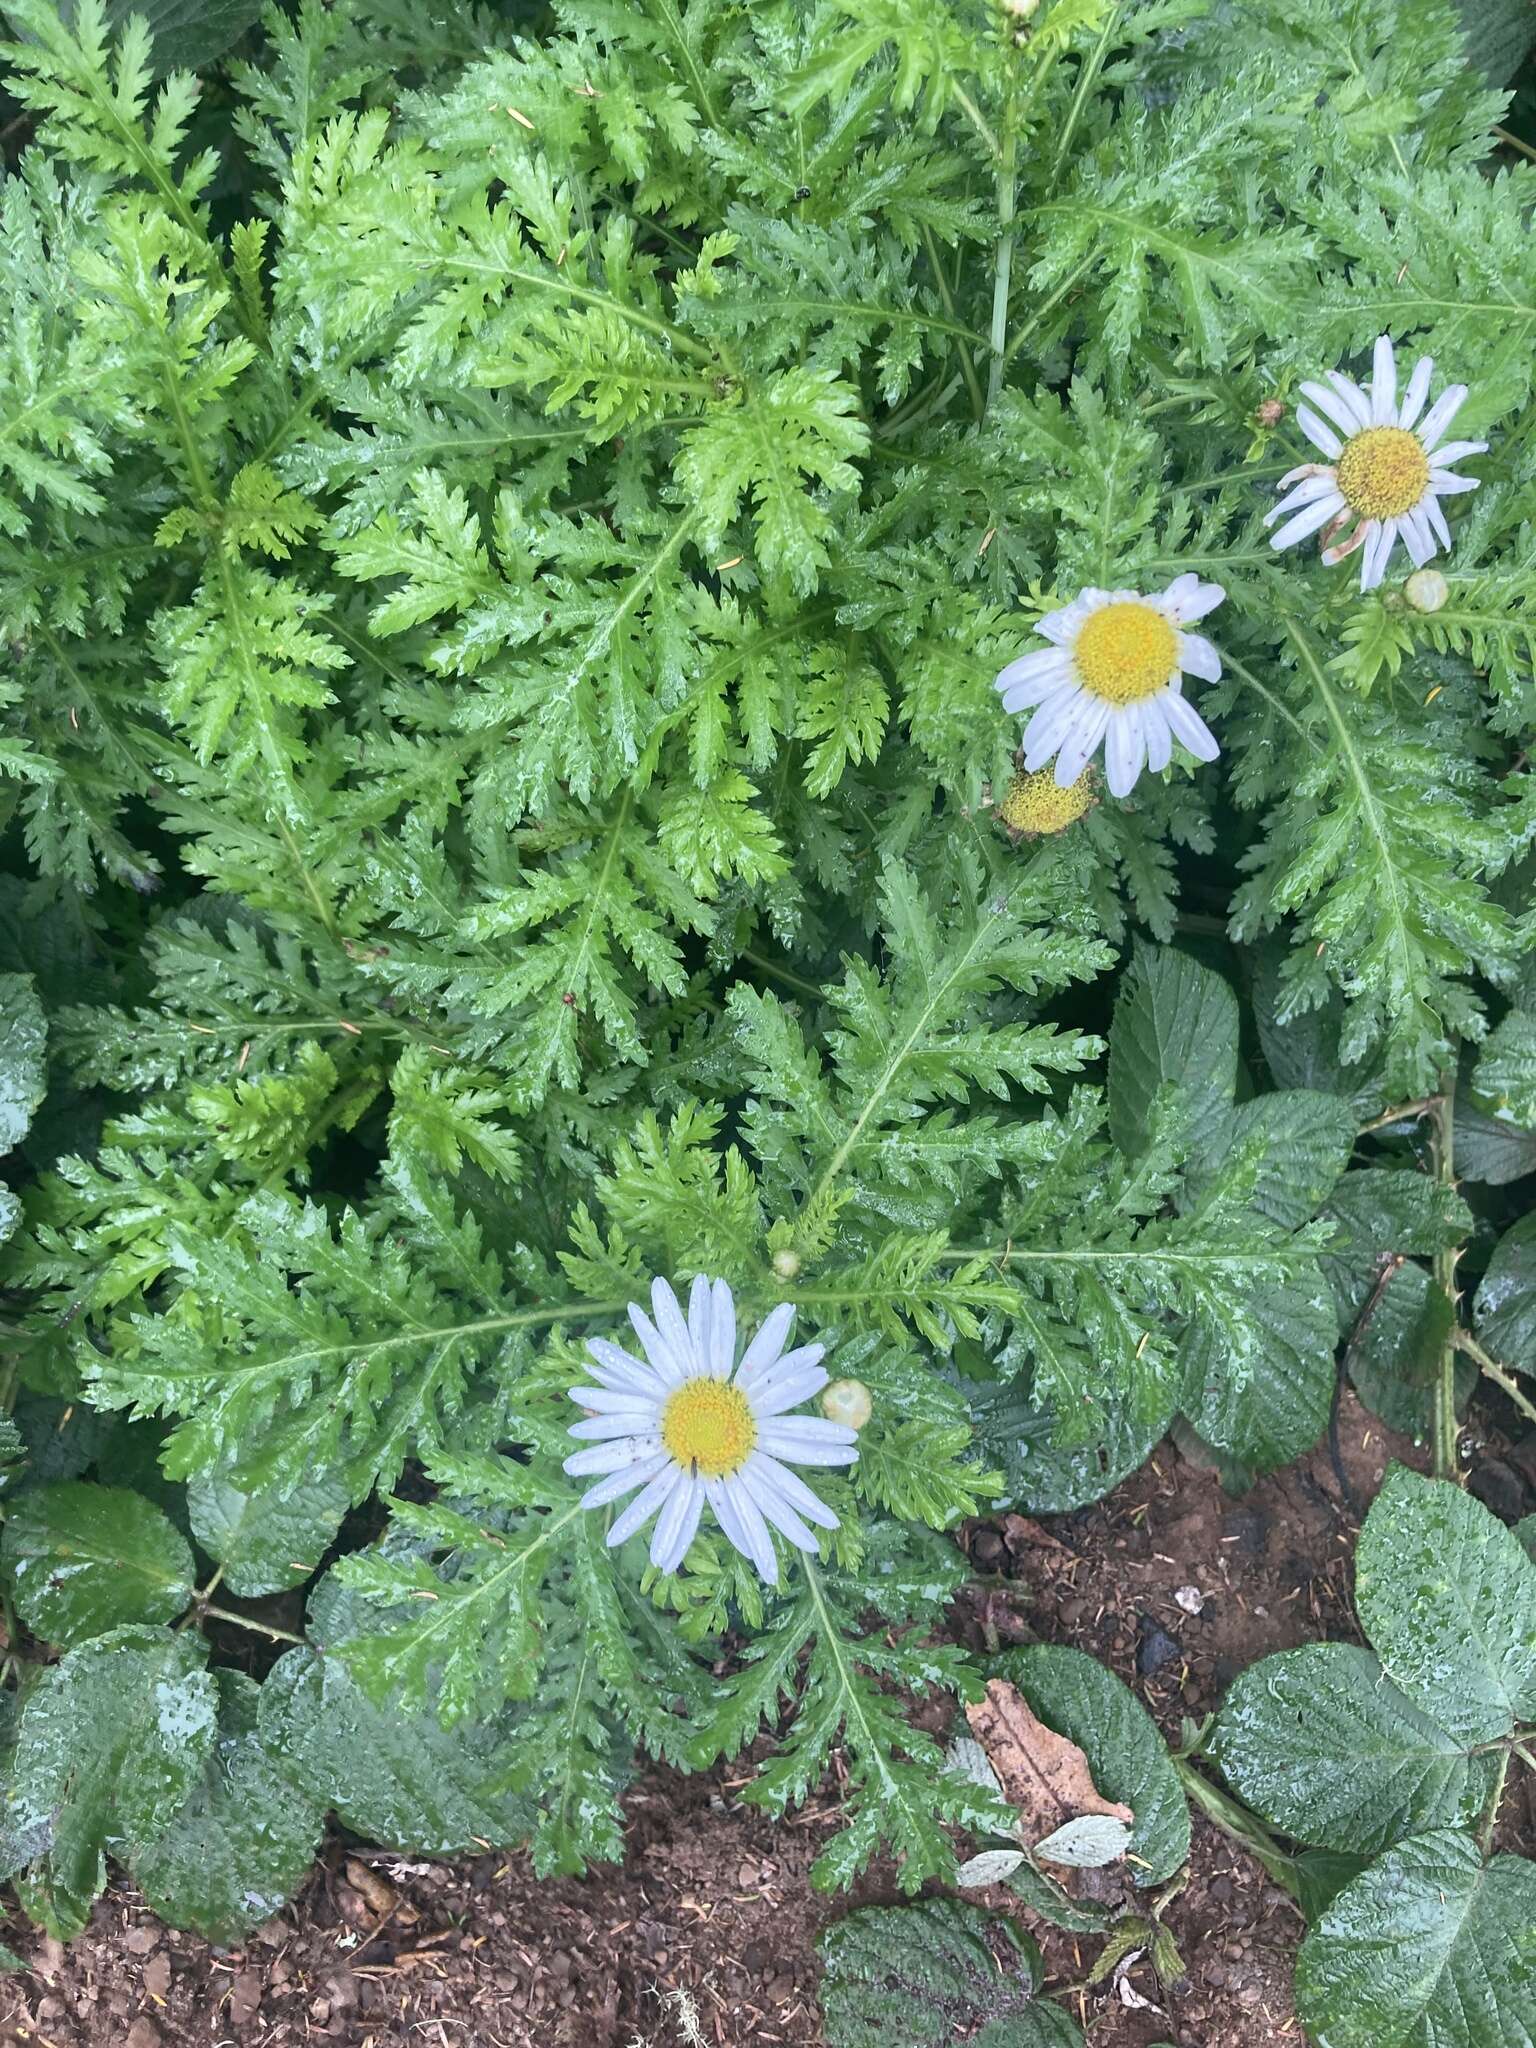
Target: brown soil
column 711, row 1920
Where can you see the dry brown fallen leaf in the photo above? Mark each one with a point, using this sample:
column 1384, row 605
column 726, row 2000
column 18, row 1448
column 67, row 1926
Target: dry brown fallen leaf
column 1042, row 1774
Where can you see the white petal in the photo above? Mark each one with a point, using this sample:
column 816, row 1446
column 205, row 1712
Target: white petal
column 1417, row 392
column 1417, row 538
column 612, row 1457
column 1039, row 661
column 1081, row 743
column 1308, row 520
column 1383, row 381
column 623, row 1401
column 670, row 1370
column 615, row 1368
column 794, row 1490
column 678, row 1525
column 1159, row 738
column 741, row 1519
column 768, row 1343
column 1440, row 415
column 779, row 1395
column 1188, row 599
column 787, row 1362
column 624, row 1480
column 602, row 1429
column 1430, row 507
column 722, row 1355
column 1188, row 726
column 1342, row 413
column 804, row 1440
column 1356, row 402
column 1378, row 551
column 1445, row 485
column 1197, row 657
column 1035, row 688
column 701, row 1320
column 674, row 1330
column 1050, row 726
column 776, row 1509
column 1458, row 451
column 1318, row 432
column 1324, row 484
column 645, row 1503
column 1124, row 750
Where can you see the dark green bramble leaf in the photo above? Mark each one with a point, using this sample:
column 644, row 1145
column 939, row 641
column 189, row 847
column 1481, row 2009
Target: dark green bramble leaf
column 1302, row 1142
column 1428, row 1945
column 1175, row 1026
column 1321, row 1875
column 390, row 1773
column 240, row 1846
column 1075, row 1695
column 1322, row 1745
column 23, row 1063
column 112, row 1741
column 927, row 1973
column 1277, row 1406
column 1040, row 1476
column 1448, row 1599
column 86, row 1558
column 1504, row 1079
column 268, row 1541
column 1489, row 1148
column 1506, row 1298
column 185, row 34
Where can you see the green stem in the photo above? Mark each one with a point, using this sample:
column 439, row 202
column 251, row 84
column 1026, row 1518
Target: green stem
column 1447, row 1430
column 1491, row 1369
column 1236, row 1821
column 1003, row 273
column 262, row 1628
column 1491, row 1810
column 1400, row 1113
column 967, row 367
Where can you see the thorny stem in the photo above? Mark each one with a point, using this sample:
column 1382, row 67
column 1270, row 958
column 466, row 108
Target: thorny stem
column 1400, row 1113
column 1491, row 1810
column 1236, row 1821
column 262, row 1628
column 1491, row 1369
column 1446, row 1428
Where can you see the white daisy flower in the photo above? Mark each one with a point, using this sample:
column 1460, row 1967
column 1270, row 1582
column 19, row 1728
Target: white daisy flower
column 1387, row 469
column 692, row 1426
column 1114, row 673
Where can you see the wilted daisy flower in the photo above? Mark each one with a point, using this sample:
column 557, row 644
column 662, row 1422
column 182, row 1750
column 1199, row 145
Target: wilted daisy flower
column 1114, row 673
column 692, row 1426
column 1036, row 805
column 1387, row 469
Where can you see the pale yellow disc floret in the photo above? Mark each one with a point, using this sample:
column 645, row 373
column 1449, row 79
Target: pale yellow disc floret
column 1125, row 652
column 1036, row 803
column 1383, row 472
column 708, row 1427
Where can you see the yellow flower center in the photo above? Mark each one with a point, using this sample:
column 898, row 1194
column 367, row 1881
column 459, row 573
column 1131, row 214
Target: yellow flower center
column 1036, row 803
column 1383, row 472
column 1126, row 652
column 708, row 1426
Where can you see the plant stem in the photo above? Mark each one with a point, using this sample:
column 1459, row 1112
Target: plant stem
column 1234, row 1820
column 967, row 367
column 1400, row 1113
column 1491, row 1811
column 1491, row 1369
column 262, row 1628
column 1447, row 1431
column 1003, row 274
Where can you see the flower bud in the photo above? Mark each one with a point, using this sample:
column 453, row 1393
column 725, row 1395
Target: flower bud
column 786, row 1263
column 1426, row 590
column 848, row 1402
column 1270, row 413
